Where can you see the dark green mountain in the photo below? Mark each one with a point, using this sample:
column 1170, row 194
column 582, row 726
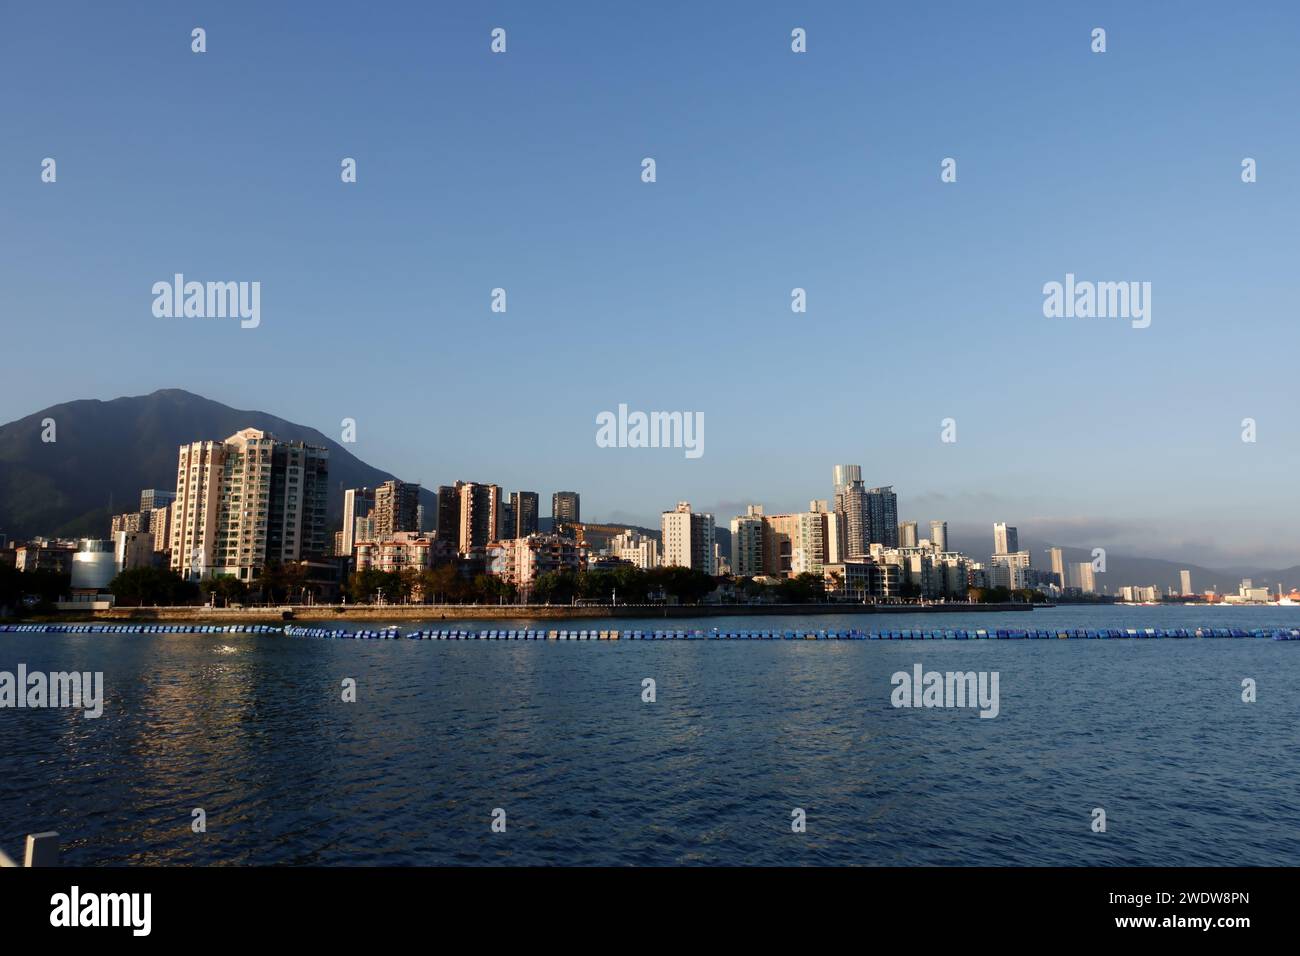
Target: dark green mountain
column 106, row 452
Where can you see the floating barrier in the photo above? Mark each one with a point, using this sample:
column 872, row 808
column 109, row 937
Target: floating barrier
column 394, row 633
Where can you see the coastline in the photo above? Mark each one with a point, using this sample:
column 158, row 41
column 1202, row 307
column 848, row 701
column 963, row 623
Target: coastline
column 479, row 612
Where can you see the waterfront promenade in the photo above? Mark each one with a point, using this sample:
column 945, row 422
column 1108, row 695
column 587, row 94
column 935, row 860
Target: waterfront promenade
column 465, row 612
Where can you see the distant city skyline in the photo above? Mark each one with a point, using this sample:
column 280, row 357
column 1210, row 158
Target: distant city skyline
column 775, row 171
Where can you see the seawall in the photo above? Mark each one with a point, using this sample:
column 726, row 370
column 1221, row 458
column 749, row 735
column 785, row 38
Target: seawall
column 484, row 612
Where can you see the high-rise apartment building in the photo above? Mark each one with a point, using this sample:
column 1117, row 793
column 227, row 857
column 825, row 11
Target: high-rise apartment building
column 480, row 516
column 245, row 502
column 447, row 527
column 907, row 536
column 688, row 539
column 1010, row 570
column 505, row 519
column 152, row 498
column 939, row 535
column 797, row 543
column 357, row 503
column 1005, row 539
column 845, row 475
column 526, row 508
column 747, row 543
column 565, row 508
column 1083, row 577
column 1185, row 581
column 1057, row 557
column 131, row 521
column 395, row 508
column 882, row 516
column 160, row 527
column 852, row 507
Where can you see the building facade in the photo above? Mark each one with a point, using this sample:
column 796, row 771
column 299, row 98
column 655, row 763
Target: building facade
column 525, row 507
column 566, row 508
column 521, row 561
column 245, row 502
column 396, row 508
column 357, row 503
column 480, row 518
column 689, row 539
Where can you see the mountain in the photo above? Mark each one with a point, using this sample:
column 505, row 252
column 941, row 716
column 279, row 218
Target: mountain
column 106, row 452
column 1122, row 569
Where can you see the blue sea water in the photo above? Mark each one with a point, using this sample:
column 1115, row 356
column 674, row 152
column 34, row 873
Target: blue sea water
column 253, row 730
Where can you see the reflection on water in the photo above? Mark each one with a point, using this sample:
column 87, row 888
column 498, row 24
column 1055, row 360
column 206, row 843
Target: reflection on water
column 254, row 731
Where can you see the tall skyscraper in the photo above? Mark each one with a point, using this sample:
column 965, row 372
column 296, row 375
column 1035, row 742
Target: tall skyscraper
column 882, row 516
column 939, row 535
column 505, row 519
column 852, row 508
column 526, row 507
column 152, row 498
column 907, row 536
column 480, row 518
column 1005, row 539
column 689, row 539
column 448, row 524
column 565, row 508
column 1083, row 578
column 357, row 503
column 395, row 508
column 1185, row 581
column 245, row 502
column 1058, row 565
column 845, row 475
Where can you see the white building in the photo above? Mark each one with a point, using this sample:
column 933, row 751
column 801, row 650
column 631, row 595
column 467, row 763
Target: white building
column 1009, row 569
column 1006, row 540
column 247, row 501
column 939, row 535
column 636, row 548
column 688, row 539
column 747, row 543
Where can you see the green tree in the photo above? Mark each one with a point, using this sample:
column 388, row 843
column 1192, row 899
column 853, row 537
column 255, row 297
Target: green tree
column 138, row 587
column 803, row 588
column 555, row 587
column 688, row 585
column 226, row 589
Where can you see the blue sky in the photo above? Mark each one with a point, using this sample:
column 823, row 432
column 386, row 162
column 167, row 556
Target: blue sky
column 775, row 170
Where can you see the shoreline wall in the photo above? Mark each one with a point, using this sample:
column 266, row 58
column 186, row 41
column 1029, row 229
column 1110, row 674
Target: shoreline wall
column 486, row 612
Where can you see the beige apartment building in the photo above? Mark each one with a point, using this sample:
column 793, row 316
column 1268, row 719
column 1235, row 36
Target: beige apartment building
column 247, row 501
column 521, row 561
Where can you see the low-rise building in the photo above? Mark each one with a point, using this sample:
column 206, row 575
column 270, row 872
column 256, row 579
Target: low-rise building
column 402, row 551
column 637, row 549
column 521, row 561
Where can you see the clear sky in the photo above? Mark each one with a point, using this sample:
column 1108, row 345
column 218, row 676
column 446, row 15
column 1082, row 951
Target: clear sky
column 775, row 170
